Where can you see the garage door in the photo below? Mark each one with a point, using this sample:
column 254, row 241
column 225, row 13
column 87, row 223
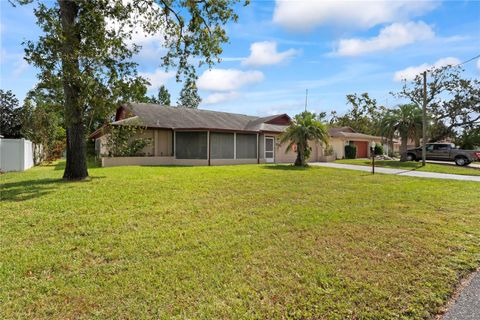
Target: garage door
column 362, row 149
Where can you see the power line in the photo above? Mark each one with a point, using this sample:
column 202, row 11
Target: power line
column 467, row 61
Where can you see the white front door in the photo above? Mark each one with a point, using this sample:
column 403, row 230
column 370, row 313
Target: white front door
column 269, row 149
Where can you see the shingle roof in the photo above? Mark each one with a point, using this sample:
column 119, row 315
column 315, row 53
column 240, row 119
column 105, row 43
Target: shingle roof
column 158, row 116
column 347, row 132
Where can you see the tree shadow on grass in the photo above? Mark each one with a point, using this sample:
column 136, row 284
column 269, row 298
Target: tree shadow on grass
column 30, row 189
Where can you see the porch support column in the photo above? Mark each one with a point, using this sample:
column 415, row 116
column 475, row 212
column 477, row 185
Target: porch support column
column 174, row 144
column 235, row 145
column 208, row 146
column 155, row 142
column 258, row 150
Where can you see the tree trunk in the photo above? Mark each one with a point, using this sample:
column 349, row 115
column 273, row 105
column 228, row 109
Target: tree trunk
column 403, row 149
column 300, row 161
column 76, row 167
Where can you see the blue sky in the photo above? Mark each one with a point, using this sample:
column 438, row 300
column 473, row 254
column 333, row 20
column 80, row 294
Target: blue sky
column 280, row 48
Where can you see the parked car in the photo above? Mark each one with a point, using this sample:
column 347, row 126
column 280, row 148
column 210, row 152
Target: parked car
column 445, row 152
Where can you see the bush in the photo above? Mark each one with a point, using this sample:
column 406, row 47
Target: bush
column 328, row 151
column 122, row 141
column 378, row 150
column 350, row 152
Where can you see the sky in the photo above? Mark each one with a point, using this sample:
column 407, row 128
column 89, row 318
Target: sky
column 279, row 49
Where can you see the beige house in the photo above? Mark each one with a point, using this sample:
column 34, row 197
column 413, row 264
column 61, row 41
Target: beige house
column 184, row 136
column 340, row 137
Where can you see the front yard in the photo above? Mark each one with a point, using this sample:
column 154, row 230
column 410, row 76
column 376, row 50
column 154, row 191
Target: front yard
column 232, row 242
column 413, row 165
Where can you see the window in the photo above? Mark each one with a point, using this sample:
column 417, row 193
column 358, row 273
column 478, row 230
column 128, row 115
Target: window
column 221, row 145
column 246, row 146
column 441, row 147
column 191, row 145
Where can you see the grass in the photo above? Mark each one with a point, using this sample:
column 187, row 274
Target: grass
column 413, row 165
column 232, row 242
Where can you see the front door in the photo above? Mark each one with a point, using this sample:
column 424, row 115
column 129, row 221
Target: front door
column 362, row 148
column 269, row 149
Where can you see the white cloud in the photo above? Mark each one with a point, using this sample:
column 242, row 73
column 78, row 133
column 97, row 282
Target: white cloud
column 220, row 97
column 306, row 15
column 151, row 43
column 390, row 37
column 265, row 53
column 411, row 72
column 227, row 79
column 478, row 64
column 158, row 77
column 20, row 67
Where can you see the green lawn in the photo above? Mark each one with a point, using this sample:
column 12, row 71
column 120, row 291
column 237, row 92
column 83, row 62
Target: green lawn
column 413, row 165
column 232, row 242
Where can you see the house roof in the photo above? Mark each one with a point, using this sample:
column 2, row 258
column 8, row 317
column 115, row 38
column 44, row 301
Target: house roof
column 347, row 132
column 158, row 116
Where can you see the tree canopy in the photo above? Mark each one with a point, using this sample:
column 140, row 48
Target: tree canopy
column 10, row 115
column 453, row 102
column 163, row 97
column 406, row 120
column 87, row 46
column 189, row 97
column 363, row 116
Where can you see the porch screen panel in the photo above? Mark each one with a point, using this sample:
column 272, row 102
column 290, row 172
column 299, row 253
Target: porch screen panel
column 246, row 146
column 221, row 145
column 191, row 145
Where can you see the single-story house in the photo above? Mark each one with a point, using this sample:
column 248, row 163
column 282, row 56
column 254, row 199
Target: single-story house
column 184, row 136
column 339, row 137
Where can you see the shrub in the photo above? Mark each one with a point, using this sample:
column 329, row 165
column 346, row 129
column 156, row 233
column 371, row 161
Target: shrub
column 122, row 141
column 350, row 152
column 378, row 150
column 328, row 151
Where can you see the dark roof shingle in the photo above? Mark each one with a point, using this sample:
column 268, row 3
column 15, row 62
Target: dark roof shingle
column 158, row 116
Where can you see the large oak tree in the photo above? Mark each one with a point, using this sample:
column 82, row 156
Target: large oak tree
column 88, row 45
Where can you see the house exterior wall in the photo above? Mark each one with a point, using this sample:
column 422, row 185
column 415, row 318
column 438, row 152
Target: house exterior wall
column 163, row 142
column 338, row 145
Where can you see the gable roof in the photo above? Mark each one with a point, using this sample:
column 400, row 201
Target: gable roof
column 178, row 118
column 347, row 132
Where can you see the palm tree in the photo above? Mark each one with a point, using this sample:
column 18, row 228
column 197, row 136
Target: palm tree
column 406, row 121
column 304, row 127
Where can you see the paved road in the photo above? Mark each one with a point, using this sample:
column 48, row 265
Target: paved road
column 400, row 172
column 467, row 306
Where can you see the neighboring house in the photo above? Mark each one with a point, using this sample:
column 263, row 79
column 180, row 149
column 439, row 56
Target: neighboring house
column 340, row 137
column 184, row 136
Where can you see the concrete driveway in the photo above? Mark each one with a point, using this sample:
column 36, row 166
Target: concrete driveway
column 400, row 172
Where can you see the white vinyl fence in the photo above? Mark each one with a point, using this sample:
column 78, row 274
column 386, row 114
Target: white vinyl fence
column 17, row 154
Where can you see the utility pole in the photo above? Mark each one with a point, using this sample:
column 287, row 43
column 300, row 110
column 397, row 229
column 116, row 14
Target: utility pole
column 306, row 99
column 424, row 119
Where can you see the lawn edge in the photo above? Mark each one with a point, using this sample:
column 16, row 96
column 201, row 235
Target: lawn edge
column 462, row 283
